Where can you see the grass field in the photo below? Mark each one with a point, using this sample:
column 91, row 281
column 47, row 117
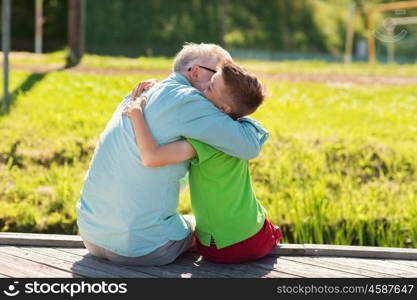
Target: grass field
column 338, row 168
column 164, row 63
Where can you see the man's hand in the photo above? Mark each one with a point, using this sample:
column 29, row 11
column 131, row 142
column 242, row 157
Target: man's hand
column 135, row 106
column 143, row 86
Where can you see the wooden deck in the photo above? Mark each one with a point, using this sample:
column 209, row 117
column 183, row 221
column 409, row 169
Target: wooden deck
column 58, row 256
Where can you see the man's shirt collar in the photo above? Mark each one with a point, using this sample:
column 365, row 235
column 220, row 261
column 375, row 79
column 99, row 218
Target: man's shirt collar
column 179, row 78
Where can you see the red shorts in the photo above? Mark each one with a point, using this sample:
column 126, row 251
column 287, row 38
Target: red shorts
column 255, row 247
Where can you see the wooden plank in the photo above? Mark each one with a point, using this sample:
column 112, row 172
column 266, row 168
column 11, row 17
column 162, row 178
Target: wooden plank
column 34, row 239
column 170, row 271
column 288, row 249
column 38, row 26
column 394, row 6
column 154, row 271
column 5, row 35
column 180, row 268
column 13, row 271
column 235, row 270
column 345, row 251
column 13, row 266
column 232, row 270
column 102, row 267
column 300, row 269
column 197, row 261
column 336, row 265
column 184, row 265
column 360, row 251
column 39, row 257
column 409, row 263
column 72, row 250
column 382, row 266
column 284, row 272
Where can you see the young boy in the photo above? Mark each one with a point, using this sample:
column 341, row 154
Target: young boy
column 231, row 223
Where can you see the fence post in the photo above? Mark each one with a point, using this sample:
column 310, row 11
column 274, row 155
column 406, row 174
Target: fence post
column 6, row 9
column 76, row 28
column 38, row 25
column 349, row 34
column 371, row 37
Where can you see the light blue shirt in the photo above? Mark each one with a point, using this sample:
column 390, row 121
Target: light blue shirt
column 130, row 209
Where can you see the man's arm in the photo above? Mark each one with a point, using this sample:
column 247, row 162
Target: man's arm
column 200, row 120
column 152, row 154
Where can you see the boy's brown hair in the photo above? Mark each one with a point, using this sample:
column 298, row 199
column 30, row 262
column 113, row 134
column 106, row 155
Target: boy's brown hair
column 244, row 90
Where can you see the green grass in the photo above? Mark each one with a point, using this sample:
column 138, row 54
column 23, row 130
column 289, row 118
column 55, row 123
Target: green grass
column 338, row 168
column 269, row 67
column 27, row 58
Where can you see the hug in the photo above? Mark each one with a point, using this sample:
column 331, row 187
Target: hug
column 196, row 122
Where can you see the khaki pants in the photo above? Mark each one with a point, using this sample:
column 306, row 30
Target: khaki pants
column 163, row 255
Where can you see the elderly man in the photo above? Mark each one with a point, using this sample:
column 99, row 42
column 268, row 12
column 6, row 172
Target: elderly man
column 127, row 212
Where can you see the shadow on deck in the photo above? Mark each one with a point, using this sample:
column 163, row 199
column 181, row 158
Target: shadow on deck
column 57, row 256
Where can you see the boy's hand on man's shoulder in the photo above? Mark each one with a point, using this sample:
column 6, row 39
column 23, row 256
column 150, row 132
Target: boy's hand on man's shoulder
column 143, row 86
column 135, row 106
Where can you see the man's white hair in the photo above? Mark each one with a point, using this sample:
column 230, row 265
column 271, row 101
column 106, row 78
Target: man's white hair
column 198, row 54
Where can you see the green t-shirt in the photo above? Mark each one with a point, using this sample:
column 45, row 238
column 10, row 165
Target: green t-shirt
column 222, row 197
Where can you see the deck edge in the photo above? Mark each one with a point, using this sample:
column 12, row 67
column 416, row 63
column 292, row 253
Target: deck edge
column 35, row 239
column 345, row 251
column 60, row 240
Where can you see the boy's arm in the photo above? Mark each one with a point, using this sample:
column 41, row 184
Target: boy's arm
column 201, row 120
column 153, row 154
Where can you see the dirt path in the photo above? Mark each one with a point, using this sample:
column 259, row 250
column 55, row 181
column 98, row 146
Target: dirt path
column 336, row 79
column 343, row 79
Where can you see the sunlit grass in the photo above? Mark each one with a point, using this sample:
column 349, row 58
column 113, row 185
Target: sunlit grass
column 338, row 168
column 261, row 66
column 28, row 58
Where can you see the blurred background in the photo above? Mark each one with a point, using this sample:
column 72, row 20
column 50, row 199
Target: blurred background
column 339, row 166
column 268, row 29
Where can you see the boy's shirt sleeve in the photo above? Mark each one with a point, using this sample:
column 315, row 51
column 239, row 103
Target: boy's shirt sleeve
column 204, row 151
column 262, row 133
column 199, row 119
